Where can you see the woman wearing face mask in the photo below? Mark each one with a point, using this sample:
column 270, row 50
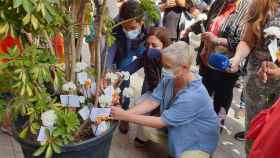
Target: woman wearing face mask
column 157, row 39
column 262, row 88
column 224, row 28
column 186, row 112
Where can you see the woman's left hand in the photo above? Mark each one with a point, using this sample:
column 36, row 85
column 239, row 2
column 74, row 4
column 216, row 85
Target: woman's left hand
column 118, row 113
column 209, row 37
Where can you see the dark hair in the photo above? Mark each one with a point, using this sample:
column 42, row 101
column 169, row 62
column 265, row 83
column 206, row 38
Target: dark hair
column 131, row 9
column 162, row 34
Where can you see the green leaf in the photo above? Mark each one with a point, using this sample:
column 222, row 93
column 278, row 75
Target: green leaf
column 4, row 28
column 26, row 19
column 17, row 3
column 49, row 152
column 23, row 133
column 29, row 90
column 40, row 150
column 27, row 5
column 34, row 22
column 56, row 148
column 22, row 91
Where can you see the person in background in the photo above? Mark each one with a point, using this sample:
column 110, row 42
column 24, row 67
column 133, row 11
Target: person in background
column 186, row 111
column 129, row 43
column 261, row 89
column 223, row 28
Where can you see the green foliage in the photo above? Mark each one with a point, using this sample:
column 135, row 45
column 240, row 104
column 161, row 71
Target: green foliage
column 36, row 15
column 67, row 125
column 151, row 10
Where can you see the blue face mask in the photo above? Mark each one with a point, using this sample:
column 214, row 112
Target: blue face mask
column 167, row 73
column 132, row 34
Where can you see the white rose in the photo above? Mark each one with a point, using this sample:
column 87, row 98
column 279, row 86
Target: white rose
column 105, row 100
column 111, row 76
column 118, row 90
column 80, row 66
column 272, row 31
column 48, row 118
column 82, row 99
column 69, row 86
column 126, row 75
column 128, row 92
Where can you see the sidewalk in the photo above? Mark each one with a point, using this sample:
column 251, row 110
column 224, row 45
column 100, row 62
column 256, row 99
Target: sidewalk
column 122, row 145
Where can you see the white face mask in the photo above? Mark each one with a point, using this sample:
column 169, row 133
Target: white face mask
column 168, row 73
column 132, row 34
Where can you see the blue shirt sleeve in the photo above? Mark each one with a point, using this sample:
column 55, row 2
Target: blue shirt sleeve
column 183, row 111
column 134, row 66
column 158, row 92
column 111, row 56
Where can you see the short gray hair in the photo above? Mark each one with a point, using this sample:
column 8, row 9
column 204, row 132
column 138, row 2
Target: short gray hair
column 180, row 53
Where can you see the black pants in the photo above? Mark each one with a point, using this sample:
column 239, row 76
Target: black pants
column 219, row 85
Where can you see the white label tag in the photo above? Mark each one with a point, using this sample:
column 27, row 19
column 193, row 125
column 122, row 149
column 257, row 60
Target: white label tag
column 64, row 99
column 109, row 91
column 95, row 112
column 42, row 135
column 74, row 101
column 101, row 128
column 273, row 48
column 82, row 77
column 84, row 112
column 70, row 100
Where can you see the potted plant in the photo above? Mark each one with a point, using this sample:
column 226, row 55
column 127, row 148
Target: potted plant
column 60, row 107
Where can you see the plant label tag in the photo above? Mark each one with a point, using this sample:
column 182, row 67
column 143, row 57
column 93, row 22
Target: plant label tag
column 64, row 99
column 109, row 91
column 74, row 101
column 82, row 77
column 93, row 88
column 42, row 135
column 273, row 49
column 101, row 128
column 97, row 112
column 84, row 112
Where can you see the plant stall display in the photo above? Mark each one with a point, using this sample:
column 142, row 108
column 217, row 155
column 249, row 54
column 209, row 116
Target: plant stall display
column 59, row 108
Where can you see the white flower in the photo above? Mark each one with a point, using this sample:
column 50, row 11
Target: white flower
column 201, row 17
column 80, row 66
column 118, row 90
column 128, row 92
column 112, row 76
column 272, row 31
column 105, row 100
column 126, row 75
column 69, row 86
column 82, row 99
column 48, row 118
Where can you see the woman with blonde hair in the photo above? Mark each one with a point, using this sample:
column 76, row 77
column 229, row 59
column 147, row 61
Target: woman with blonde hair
column 262, row 89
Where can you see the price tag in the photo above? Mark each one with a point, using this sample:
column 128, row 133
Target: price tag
column 273, row 49
column 64, row 99
column 82, row 77
column 74, row 101
column 101, row 128
column 42, row 135
column 84, row 112
column 96, row 112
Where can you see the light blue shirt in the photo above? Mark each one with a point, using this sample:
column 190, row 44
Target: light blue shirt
column 192, row 123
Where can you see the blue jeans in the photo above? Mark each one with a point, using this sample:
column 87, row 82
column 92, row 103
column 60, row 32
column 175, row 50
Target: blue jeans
column 125, row 101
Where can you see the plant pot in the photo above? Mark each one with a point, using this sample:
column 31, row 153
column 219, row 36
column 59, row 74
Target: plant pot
column 97, row 147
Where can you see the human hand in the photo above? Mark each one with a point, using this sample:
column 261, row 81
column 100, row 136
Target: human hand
column 262, row 72
column 234, row 65
column 170, row 3
column 181, row 3
column 268, row 69
column 118, row 113
column 209, row 37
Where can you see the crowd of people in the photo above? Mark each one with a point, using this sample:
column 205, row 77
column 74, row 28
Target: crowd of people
column 179, row 107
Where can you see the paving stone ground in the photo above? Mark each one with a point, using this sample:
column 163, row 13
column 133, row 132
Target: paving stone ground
column 122, row 145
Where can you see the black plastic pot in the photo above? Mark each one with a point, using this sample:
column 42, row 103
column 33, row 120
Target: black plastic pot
column 97, row 147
